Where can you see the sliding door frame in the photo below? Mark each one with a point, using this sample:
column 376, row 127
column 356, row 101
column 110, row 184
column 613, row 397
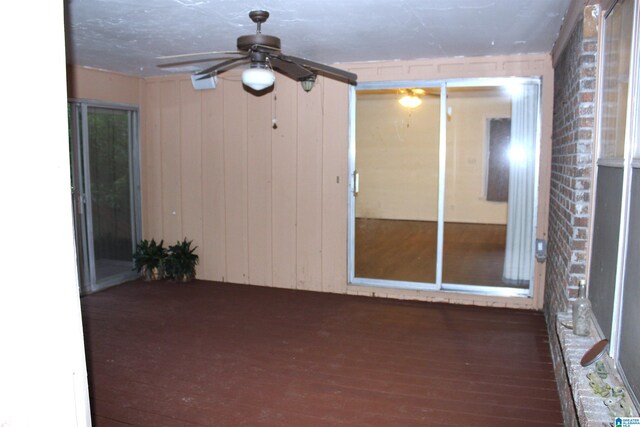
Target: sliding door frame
column 439, row 285
column 78, row 194
column 82, row 189
column 400, row 284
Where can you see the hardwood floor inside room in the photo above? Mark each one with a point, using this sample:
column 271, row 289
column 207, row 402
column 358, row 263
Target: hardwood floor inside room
column 216, row 354
column 406, row 250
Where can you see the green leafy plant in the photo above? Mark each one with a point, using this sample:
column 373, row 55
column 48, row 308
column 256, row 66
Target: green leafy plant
column 149, row 259
column 181, row 261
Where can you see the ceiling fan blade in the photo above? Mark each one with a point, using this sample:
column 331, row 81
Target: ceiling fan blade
column 325, row 70
column 219, row 67
column 186, row 55
column 290, row 69
column 192, row 61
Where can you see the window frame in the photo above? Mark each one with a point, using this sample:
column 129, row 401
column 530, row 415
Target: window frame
column 629, row 161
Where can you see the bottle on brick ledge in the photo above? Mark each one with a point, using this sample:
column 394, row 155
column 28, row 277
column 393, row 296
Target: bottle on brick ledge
column 581, row 309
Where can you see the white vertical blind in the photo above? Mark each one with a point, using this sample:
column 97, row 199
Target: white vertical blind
column 522, row 186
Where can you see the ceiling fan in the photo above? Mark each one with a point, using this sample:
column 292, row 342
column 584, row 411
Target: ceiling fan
column 264, row 55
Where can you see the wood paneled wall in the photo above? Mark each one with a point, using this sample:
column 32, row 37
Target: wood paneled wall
column 265, row 206
column 104, row 86
column 269, row 206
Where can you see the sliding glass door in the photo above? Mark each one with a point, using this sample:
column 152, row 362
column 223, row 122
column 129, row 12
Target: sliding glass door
column 396, row 194
column 445, row 189
column 106, row 192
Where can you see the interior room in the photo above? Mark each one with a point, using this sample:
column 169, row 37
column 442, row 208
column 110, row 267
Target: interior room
column 398, row 186
column 422, row 213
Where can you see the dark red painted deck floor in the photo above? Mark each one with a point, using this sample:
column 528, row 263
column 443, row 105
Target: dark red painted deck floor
column 213, row 354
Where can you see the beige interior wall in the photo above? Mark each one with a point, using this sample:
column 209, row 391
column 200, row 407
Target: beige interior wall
column 397, row 157
column 467, row 148
column 269, row 206
column 106, row 86
column 265, row 205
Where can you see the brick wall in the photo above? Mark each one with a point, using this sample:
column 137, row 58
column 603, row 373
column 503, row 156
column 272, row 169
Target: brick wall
column 571, row 170
column 571, row 166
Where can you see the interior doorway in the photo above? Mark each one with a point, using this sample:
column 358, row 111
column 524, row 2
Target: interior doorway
column 106, row 192
column 445, row 185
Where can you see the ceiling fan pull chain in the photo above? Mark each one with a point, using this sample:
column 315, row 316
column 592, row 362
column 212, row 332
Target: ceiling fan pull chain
column 274, row 118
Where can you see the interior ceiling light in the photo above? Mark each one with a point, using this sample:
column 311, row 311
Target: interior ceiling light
column 258, row 77
column 410, row 101
column 411, row 98
column 307, row 84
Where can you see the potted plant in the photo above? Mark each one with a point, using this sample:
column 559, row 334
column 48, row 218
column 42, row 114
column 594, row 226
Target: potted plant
column 149, row 259
column 181, row 261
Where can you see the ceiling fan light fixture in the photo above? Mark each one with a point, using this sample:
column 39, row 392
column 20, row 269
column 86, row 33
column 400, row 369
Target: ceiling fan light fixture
column 410, row 101
column 307, row 84
column 258, row 78
column 264, row 54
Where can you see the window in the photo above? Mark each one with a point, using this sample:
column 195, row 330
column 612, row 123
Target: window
column 498, row 160
column 614, row 275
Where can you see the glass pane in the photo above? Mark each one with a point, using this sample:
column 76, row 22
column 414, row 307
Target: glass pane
column 617, row 51
column 604, row 252
column 397, row 203
column 490, row 185
column 630, row 321
column 110, row 191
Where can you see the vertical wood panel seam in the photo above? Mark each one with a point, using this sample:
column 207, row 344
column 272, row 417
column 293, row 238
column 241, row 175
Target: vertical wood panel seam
column 273, row 109
column 295, row 222
column 298, row 150
column 142, row 148
column 201, row 170
column 161, row 149
column 180, row 147
column 224, row 186
column 202, row 213
column 248, row 184
column 297, row 98
column 322, row 187
column 142, row 145
column 271, row 185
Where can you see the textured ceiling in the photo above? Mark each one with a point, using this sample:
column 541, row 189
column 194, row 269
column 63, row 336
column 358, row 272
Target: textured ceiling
column 127, row 35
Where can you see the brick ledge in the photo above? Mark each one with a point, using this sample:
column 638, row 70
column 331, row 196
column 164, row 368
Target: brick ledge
column 590, row 407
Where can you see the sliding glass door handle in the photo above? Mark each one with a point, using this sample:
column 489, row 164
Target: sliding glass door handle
column 356, row 183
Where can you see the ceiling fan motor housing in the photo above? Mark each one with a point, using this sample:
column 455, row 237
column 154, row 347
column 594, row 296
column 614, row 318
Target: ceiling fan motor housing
column 258, row 40
column 247, row 42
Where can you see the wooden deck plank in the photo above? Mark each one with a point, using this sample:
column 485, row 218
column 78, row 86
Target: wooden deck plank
column 210, row 353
